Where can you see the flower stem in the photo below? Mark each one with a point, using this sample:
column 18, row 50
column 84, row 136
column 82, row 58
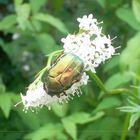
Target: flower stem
column 41, row 73
column 111, row 92
column 125, row 127
column 138, row 136
column 98, row 81
column 124, row 91
column 120, row 90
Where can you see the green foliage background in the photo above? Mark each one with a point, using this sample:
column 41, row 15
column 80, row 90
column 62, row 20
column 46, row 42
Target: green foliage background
column 31, row 29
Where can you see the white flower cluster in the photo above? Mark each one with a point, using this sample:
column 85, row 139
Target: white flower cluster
column 36, row 96
column 91, row 46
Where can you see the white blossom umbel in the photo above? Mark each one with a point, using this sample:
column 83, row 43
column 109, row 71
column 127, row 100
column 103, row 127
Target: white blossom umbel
column 91, row 46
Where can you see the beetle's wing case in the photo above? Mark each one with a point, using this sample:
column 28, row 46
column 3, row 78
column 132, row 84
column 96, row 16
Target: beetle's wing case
column 67, row 70
column 60, row 65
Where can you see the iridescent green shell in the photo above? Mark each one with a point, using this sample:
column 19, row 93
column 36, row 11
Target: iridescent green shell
column 67, row 70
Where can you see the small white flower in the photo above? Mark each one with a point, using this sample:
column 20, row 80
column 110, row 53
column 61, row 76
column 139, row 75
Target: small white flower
column 26, row 67
column 15, row 36
column 89, row 24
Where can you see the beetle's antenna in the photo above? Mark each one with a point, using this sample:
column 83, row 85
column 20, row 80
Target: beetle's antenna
column 18, row 103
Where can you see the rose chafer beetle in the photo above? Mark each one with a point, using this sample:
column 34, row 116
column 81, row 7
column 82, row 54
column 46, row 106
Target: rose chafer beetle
column 67, row 69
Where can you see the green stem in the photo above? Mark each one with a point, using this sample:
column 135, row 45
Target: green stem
column 120, row 90
column 125, row 127
column 50, row 57
column 98, row 81
column 41, row 73
column 111, row 92
column 138, row 136
column 124, row 91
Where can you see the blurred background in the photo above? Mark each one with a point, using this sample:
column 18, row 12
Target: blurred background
column 31, row 29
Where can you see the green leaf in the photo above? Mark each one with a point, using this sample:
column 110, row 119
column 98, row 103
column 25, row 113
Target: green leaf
column 102, row 3
column 70, row 128
column 130, row 109
column 71, row 121
column 47, row 131
column 18, row 2
column 46, row 43
column 57, row 23
column 76, row 118
column 5, row 104
column 117, row 80
column 60, row 110
column 2, row 86
column 36, row 5
column 57, row 5
column 129, row 59
column 23, row 13
column 35, row 26
column 95, row 117
column 30, row 119
column 127, row 16
column 133, row 119
column 113, row 3
column 103, row 129
column 12, row 49
column 7, row 22
column 111, row 64
column 136, row 9
column 134, row 109
column 108, row 103
column 109, row 3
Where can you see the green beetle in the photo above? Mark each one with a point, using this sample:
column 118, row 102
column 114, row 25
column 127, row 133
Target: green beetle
column 67, row 70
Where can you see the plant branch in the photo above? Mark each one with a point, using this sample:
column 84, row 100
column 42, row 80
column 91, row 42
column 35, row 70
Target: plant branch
column 111, row 92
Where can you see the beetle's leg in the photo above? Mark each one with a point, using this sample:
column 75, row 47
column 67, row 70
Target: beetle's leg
column 52, row 55
column 45, row 88
column 78, row 92
column 64, row 93
column 58, row 58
